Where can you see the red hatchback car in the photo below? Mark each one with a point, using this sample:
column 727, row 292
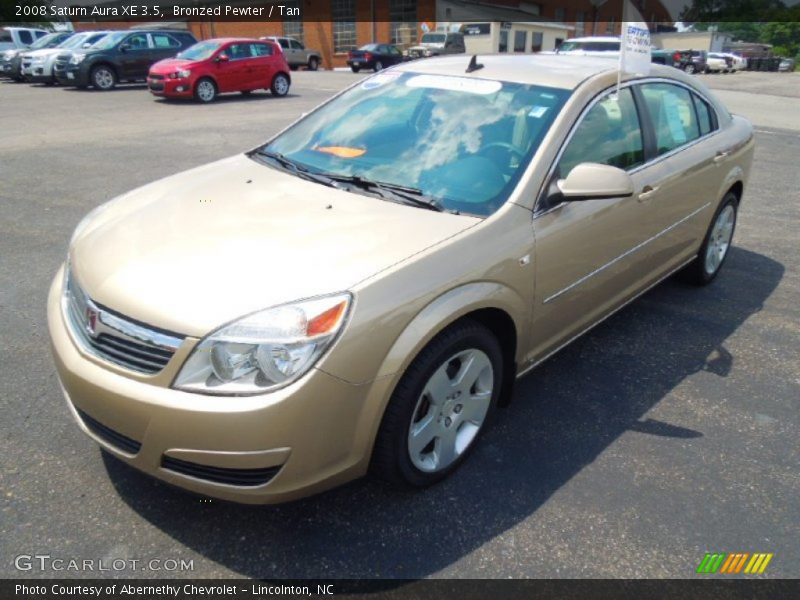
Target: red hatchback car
column 217, row 66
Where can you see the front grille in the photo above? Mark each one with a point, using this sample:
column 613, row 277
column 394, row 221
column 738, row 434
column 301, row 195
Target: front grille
column 239, row 477
column 115, row 338
column 156, row 87
column 107, row 434
column 156, row 77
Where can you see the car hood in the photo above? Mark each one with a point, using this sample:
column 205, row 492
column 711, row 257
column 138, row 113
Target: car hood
column 201, row 248
column 168, row 65
column 42, row 52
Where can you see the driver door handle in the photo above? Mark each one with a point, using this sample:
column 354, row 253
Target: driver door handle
column 647, row 193
column 720, row 156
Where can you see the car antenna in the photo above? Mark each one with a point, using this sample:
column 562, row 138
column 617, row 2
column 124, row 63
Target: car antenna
column 473, row 64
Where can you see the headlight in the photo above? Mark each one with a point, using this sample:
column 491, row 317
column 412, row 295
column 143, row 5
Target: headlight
column 9, row 54
column 266, row 350
column 180, row 74
column 76, row 59
column 427, row 52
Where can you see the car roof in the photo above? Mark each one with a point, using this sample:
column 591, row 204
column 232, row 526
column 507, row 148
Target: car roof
column 228, row 40
column 550, row 70
column 595, row 38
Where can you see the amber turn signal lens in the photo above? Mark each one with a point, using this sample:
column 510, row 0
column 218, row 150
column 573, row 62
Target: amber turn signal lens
column 327, row 321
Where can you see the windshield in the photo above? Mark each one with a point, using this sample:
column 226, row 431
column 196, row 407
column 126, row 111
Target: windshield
column 433, row 38
column 462, row 141
column 369, row 47
column 589, row 46
column 111, row 40
column 74, row 41
column 200, row 51
column 45, row 41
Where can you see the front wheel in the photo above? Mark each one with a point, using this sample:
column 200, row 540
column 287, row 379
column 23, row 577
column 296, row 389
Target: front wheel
column 440, row 407
column 280, row 85
column 689, row 69
column 705, row 267
column 355, row 69
column 104, row 78
column 205, row 90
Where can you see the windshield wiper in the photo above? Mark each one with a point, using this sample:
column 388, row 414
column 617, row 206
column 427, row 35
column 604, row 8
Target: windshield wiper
column 289, row 165
column 390, row 191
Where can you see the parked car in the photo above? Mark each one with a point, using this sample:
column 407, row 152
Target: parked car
column 121, row 56
column 717, row 63
column 256, row 330
column 374, row 56
column 297, row 55
column 219, row 66
column 37, row 65
column 662, row 56
column 13, row 41
column 786, row 65
column 736, row 62
column 437, row 43
column 15, row 38
column 590, row 46
column 694, row 61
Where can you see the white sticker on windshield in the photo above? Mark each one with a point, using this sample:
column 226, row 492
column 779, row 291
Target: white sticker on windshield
column 380, row 79
column 455, row 84
column 537, row 112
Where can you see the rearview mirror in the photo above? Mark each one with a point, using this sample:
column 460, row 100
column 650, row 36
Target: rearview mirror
column 593, row 181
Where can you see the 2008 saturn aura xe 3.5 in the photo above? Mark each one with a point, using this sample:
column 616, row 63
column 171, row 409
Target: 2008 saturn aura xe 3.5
column 360, row 293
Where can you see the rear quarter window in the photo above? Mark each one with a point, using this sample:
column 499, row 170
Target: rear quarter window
column 25, row 37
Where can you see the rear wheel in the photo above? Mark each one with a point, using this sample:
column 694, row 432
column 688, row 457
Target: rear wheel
column 355, row 69
column 313, row 63
column 689, row 68
column 440, row 407
column 103, row 78
column 705, row 267
column 205, row 90
column 280, row 85
column 378, row 66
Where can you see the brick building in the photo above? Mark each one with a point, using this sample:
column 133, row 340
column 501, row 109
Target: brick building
column 336, row 26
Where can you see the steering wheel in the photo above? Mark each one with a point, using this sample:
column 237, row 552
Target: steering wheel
column 505, row 162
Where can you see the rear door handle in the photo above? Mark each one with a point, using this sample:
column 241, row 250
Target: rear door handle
column 720, row 156
column 647, row 193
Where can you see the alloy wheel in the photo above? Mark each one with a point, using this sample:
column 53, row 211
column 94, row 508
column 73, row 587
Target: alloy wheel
column 206, row 91
column 720, row 239
column 451, row 410
column 104, row 78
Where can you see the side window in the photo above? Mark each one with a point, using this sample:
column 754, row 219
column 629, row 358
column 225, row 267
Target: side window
column 137, row 41
column 608, row 134
column 238, row 51
column 260, row 50
column 295, row 45
column 705, row 116
column 283, row 42
column 162, row 40
column 395, row 51
column 672, row 112
column 39, row 34
column 25, row 37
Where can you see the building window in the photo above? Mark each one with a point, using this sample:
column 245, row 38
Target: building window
column 503, row 41
column 610, row 25
column 403, row 17
column 520, row 37
column 561, row 15
column 580, row 25
column 293, row 26
column 343, row 15
column 537, row 39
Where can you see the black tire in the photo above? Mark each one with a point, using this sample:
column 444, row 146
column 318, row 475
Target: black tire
column 696, row 272
column 205, row 90
column 293, row 67
column 313, row 63
column 378, row 66
column 355, row 69
column 103, row 78
column 689, row 69
column 280, row 85
column 391, row 460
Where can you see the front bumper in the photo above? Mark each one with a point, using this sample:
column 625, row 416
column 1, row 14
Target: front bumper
column 171, row 88
column 302, row 439
column 74, row 75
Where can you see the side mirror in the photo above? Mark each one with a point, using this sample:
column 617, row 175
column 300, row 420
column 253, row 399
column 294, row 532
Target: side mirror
column 124, row 47
column 86, row 45
column 593, row 181
column 222, row 58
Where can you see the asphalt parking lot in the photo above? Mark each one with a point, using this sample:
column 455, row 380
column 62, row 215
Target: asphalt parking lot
column 670, row 430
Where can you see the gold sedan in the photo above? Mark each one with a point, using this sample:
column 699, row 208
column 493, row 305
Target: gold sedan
column 360, row 293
